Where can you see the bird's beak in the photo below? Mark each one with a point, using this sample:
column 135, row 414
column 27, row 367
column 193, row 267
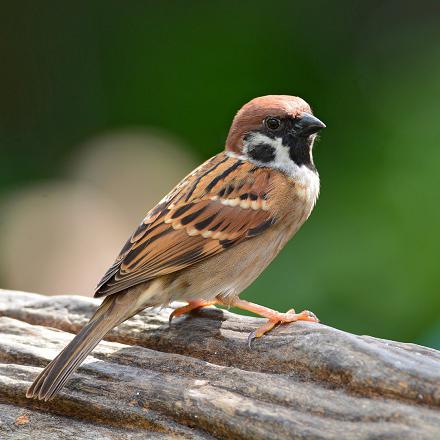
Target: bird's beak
column 308, row 124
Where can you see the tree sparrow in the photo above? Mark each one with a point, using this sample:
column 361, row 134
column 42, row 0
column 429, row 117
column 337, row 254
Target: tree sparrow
column 214, row 233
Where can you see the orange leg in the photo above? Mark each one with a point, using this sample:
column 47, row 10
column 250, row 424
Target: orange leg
column 274, row 317
column 192, row 305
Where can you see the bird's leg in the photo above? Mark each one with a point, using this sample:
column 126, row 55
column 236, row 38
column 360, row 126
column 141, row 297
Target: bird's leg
column 192, row 305
column 274, row 317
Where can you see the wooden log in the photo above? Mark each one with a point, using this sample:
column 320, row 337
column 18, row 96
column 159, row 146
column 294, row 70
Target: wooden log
column 198, row 379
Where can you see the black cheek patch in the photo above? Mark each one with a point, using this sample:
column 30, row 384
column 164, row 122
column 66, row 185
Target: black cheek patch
column 262, row 152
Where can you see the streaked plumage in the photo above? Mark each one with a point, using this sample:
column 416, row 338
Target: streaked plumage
column 219, row 205
column 211, row 236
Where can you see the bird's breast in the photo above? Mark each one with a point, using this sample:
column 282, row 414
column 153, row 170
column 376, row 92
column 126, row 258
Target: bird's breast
column 293, row 198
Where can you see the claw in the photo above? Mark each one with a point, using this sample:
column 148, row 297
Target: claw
column 171, row 317
column 260, row 331
column 251, row 337
column 307, row 315
column 283, row 318
column 180, row 311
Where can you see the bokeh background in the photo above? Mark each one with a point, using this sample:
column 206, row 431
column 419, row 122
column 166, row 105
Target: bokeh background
column 105, row 105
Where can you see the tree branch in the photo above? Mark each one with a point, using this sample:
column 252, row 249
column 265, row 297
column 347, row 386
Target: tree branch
column 198, row 378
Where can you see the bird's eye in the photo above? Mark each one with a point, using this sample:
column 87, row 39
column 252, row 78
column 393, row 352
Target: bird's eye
column 272, row 123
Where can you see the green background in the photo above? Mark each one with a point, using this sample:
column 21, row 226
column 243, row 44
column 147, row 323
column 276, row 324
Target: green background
column 367, row 261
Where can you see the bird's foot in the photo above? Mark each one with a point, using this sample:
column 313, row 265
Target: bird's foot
column 192, row 305
column 274, row 318
column 281, row 318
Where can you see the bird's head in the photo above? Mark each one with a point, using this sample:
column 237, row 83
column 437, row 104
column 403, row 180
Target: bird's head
column 276, row 131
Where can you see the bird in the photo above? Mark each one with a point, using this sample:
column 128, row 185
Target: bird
column 214, row 233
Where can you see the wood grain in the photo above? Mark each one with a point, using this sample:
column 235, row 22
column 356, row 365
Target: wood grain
column 198, row 379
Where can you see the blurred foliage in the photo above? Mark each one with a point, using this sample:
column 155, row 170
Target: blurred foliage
column 368, row 259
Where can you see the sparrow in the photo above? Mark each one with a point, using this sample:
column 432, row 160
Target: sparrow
column 214, row 233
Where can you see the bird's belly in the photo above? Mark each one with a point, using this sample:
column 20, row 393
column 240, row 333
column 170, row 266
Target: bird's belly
column 229, row 273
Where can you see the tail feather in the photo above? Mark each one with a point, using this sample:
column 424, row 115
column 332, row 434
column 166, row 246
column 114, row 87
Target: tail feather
column 55, row 375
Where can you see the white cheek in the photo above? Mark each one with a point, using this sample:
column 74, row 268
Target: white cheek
column 302, row 174
column 282, row 157
column 308, row 180
column 282, row 160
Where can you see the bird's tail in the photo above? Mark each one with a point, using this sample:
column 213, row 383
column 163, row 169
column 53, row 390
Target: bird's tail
column 55, row 375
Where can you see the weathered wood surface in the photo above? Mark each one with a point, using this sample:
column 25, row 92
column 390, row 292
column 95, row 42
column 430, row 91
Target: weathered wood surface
column 198, row 379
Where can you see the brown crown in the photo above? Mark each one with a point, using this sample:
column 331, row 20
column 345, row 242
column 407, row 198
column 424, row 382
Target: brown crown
column 252, row 114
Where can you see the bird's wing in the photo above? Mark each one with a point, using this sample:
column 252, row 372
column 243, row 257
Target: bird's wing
column 222, row 203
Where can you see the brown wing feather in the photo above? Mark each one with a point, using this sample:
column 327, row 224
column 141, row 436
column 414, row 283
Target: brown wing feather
column 220, row 204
